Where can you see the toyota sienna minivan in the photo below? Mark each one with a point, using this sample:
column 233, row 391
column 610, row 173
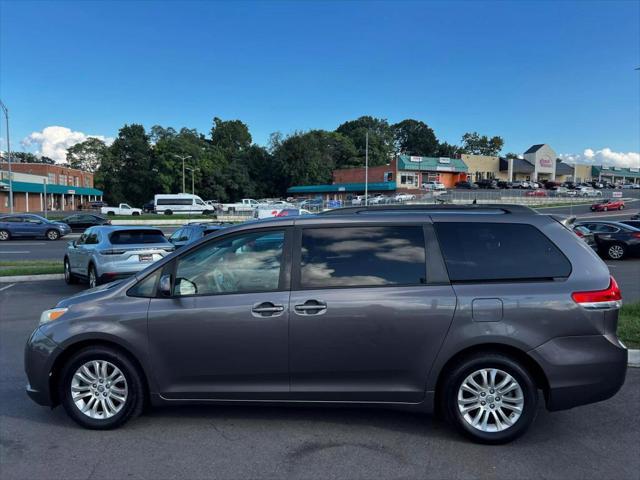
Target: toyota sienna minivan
column 478, row 313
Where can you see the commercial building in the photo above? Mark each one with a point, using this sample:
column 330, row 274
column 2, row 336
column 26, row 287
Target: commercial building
column 62, row 188
column 403, row 173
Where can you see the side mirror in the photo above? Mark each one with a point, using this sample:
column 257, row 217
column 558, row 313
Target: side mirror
column 72, row 243
column 165, row 285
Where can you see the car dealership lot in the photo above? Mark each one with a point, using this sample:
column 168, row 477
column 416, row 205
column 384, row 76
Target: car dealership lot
column 595, row 441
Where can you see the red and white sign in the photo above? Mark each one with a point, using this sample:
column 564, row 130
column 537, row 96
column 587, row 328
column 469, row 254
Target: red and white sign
column 616, row 194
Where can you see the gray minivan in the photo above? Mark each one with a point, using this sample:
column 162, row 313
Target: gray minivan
column 470, row 311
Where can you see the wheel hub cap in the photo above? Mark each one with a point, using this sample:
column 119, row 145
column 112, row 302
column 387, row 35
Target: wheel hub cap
column 99, row 389
column 490, row 400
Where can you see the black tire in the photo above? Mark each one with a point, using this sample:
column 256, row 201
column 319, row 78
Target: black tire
column 4, row 235
column 111, row 214
column 615, row 251
column 465, row 367
column 69, row 277
column 52, row 235
column 168, row 212
column 135, row 214
column 92, row 271
column 134, row 402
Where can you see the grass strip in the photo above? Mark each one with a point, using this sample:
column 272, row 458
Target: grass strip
column 10, row 268
column 629, row 325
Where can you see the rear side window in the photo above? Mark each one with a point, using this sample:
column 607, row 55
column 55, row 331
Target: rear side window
column 131, row 237
column 499, row 251
column 362, row 256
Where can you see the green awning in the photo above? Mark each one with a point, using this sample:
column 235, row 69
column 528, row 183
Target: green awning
column 20, row 187
column 597, row 170
column 431, row 164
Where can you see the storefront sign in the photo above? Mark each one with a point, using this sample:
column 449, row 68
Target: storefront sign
column 616, row 194
column 445, row 169
column 444, row 160
column 634, row 170
column 415, row 159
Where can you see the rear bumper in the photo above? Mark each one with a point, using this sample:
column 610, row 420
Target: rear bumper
column 582, row 369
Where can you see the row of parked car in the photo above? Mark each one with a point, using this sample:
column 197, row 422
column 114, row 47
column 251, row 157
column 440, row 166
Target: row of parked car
column 493, row 184
column 612, row 240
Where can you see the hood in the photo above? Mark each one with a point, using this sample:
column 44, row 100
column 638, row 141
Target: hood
column 93, row 294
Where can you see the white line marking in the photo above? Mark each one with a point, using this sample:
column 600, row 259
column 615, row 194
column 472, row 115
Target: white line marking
column 28, row 244
column 4, row 253
column 7, row 287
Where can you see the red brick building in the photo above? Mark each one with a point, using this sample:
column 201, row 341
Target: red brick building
column 61, row 187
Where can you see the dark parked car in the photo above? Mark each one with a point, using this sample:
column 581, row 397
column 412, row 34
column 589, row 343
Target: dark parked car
column 425, row 308
column 466, row 185
column 193, row 232
column 487, row 184
column 632, row 223
column 31, row 226
column 585, row 234
column 81, row 221
column 504, row 184
column 615, row 240
column 149, row 207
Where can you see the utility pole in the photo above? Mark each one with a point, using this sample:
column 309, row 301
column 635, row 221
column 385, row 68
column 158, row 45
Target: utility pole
column 193, row 181
column 366, row 170
column 5, row 110
column 183, row 158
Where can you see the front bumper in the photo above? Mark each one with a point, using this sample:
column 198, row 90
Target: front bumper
column 581, row 369
column 39, row 354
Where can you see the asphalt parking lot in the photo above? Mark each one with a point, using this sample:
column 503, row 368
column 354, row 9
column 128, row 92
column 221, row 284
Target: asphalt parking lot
column 596, row 441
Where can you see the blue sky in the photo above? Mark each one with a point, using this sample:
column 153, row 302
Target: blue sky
column 561, row 73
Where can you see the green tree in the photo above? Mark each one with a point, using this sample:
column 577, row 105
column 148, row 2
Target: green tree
column 132, row 163
column 481, row 145
column 381, row 138
column 232, row 136
column 447, row 150
column 87, row 155
column 414, row 137
column 511, row 155
column 309, row 157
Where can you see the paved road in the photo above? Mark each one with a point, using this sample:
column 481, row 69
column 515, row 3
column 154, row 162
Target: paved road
column 592, row 442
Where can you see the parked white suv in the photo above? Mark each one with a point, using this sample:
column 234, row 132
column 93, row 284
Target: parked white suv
column 589, row 192
column 433, row 186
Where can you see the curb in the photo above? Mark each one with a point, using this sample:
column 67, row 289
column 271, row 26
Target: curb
column 32, row 278
column 634, row 358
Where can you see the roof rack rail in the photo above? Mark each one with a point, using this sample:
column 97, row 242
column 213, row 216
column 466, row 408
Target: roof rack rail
column 431, row 208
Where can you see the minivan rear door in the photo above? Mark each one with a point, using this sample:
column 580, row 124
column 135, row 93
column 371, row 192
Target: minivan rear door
column 370, row 306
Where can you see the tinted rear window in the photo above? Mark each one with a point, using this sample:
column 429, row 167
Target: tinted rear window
column 362, row 256
column 130, row 237
column 499, row 251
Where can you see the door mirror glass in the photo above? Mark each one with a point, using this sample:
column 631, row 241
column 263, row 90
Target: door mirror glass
column 165, row 285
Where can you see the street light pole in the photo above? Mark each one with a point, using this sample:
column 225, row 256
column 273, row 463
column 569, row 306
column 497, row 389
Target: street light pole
column 193, row 180
column 183, row 158
column 5, row 110
column 366, row 170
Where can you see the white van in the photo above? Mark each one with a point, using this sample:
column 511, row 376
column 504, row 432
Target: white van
column 184, row 203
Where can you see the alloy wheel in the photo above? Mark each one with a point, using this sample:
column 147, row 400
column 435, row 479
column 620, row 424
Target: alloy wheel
column 67, row 273
column 4, row 235
column 616, row 252
column 490, row 400
column 92, row 278
column 52, row 235
column 99, row 389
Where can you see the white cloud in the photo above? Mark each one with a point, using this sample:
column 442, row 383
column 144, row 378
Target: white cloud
column 54, row 141
column 606, row 156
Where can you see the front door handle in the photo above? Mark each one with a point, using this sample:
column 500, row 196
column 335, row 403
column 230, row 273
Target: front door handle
column 311, row 307
column 267, row 309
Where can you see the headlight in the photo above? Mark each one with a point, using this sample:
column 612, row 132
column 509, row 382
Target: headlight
column 51, row 315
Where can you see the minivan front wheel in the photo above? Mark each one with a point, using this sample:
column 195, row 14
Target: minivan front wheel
column 101, row 388
column 490, row 398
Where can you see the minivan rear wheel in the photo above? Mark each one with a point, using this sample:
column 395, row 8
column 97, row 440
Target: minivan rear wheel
column 490, row 398
column 101, row 388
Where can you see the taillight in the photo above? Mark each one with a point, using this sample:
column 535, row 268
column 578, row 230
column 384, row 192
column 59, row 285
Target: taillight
column 600, row 299
column 579, row 233
column 112, row 252
column 636, row 234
